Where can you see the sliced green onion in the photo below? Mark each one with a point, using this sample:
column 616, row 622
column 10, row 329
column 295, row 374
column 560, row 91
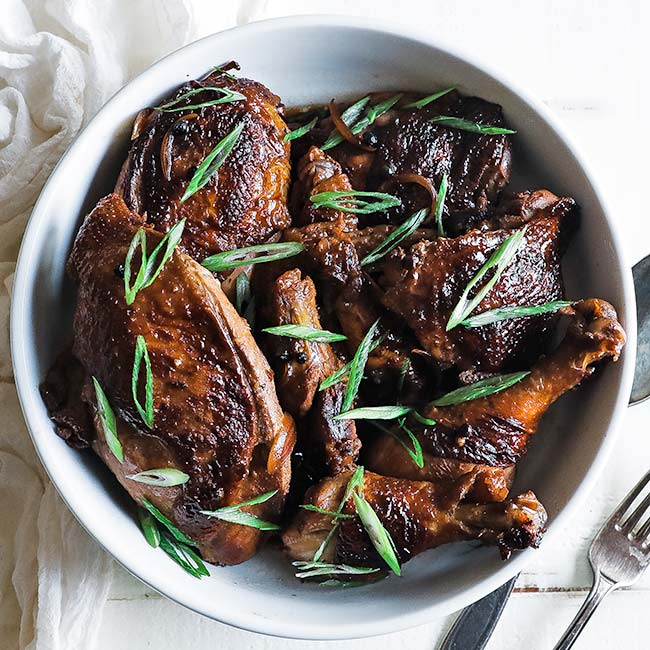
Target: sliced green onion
column 227, row 96
column 329, row 513
column 149, row 528
column 109, row 425
column 499, row 260
column 148, row 270
column 243, row 256
column 352, row 201
column 184, row 556
column 416, row 454
column 467, row 125
column 342, row 373
column 374, row 112
column 402, row 232
column 357, row 368
column 343, row 583
column 403, row 372
column 421, row 103
column 305, row 332
column 164, row 477
column 379, row 536
column 220, row 70
column 176, row 532
column 359, row 124
column 480, row 389
column 355, row 483
column 335, row 377
column 349, row 116
column 374, row 413
column 506, row 313
column 234, row 515
column 440, row 204
column 242, row 292
column 210, row 165
column 141, row 352
column 312, row 569
column 300, row 131
column 422, row 420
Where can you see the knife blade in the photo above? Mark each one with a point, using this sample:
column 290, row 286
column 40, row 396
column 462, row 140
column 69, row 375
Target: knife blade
column 473, row 628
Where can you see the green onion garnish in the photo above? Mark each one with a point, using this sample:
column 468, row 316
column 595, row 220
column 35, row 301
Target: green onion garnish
column 244, row 256
column 305, row 332
column 506, row 313
column 312, row 569
column 300, row 131
column 177, row 533
column 184, row 556
column 467, row 125
column 357, row 368
column 234, row 515
column 330, row 513
column 358, row 124
column 422, row 420
column 355, row 482
column 210, row 165
column 242, row 292
column 480, row 389
column 374, row 413
column 150, row 266
column 335, row 377
column 499, row 260
column 402, row 232
column 352, row 201
column 342, row 373
column 343, row 583
column 379, row 536
column 440, row 204
column 349, row 116
column 220, row 70
column 164, row 477
column 227, row 96
column 109, row 425
column 141, row 352
column 421, row 103
column 416, row 454
column 374, row 112
column 149, row 528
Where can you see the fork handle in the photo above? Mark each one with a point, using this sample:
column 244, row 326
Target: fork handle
column 602, row 586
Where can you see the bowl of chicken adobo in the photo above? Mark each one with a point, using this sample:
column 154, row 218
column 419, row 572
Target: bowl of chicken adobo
column 320, row 329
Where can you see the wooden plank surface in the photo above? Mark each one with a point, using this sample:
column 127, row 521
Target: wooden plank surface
column 585, row 60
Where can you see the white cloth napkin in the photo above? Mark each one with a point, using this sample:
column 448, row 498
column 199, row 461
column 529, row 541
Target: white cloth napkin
column 60, row 60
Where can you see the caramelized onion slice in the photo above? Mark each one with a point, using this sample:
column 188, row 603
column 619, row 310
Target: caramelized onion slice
column 344, row 129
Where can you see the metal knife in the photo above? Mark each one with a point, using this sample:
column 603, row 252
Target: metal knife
column 473, row 628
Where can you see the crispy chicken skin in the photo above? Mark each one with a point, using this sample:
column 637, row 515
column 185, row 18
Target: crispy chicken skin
column 242, row 205
column 424, row 284
column 300, row 366
column 216, row 414
column 418, row 516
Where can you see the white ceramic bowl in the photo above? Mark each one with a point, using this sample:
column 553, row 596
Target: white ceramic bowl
column 305, row 60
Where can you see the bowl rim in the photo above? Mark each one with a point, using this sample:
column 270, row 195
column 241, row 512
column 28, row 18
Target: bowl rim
column 426, row 611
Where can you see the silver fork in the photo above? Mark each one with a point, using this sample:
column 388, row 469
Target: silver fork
column 618, row 555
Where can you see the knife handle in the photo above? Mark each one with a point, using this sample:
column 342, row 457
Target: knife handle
column 473, row 628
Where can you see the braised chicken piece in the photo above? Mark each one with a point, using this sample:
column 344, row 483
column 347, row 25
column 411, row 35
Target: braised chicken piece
column 317, row 172
column 244, row 203
column 216, row 416
column 494, row 431
column 300, row 366
column 424, row 284
column 404, row 141
column 418, row 516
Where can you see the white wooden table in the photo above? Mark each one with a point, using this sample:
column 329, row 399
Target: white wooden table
column 586, row 60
